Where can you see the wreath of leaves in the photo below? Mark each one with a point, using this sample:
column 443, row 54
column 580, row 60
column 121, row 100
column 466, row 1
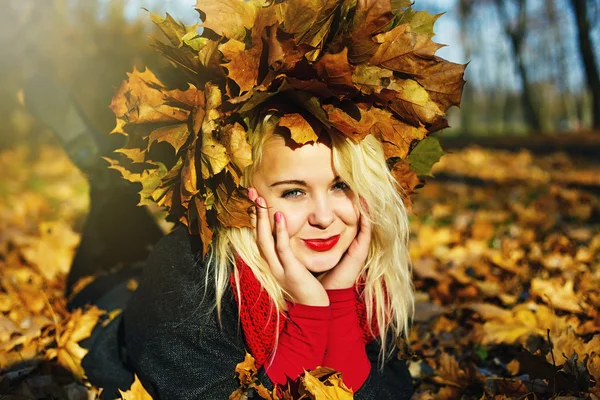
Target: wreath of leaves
column 359, row 67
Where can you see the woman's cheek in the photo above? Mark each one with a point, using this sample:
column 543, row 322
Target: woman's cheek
column 294, row 221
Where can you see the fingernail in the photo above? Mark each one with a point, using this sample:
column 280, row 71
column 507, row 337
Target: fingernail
column 277, row 216
column 260, row 201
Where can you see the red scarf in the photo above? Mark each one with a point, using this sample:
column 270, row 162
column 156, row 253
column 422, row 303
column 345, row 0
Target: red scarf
column 259, row 319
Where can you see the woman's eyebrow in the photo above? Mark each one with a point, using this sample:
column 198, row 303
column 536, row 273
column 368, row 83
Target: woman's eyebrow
column 289, row 182
column 297, row 182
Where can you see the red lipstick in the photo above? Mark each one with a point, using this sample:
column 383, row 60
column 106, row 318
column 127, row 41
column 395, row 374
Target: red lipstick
column 321, row 244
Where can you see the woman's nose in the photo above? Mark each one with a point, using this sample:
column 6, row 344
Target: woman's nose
column 322, row 213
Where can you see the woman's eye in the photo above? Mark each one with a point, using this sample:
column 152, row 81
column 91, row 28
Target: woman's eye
column 341, row 186
column 292, row 193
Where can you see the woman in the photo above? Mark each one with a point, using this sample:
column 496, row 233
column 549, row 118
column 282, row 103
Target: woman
column 313, row 241
column 298, row 118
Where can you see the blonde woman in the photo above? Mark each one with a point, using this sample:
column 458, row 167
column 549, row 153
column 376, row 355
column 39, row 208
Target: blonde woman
column 297, row 118
column 323, row 278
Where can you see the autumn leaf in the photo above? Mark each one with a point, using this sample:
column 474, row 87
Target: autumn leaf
column 232, row 207
column 424, row 155
column 395, row 135
column 173, row 30
column 325, row 383
column 53, row 250
column 335, row 68
column 411, row 101
column 238, row 149
column 176, row 135
column 242, row 65
column 301, row 131
column 79, row 326
column 402, row 50
column 136, row 391
column 370, row 18
column 229, row 18
column 420, row 22
column 557, row 295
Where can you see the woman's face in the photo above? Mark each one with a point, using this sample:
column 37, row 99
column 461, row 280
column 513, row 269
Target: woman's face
column 302, row 184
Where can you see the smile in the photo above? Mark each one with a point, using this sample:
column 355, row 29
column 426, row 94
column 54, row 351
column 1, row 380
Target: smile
column 321, row 244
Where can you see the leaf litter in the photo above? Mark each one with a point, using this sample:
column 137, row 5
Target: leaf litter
column 507, row 278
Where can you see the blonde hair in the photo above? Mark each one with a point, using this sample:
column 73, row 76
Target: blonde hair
column 388, row 290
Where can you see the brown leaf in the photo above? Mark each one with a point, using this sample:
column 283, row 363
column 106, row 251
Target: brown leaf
column 301, row 131
column 406, row 177
column 443, row 80
column 396, row 135
column 335, row 68
column 204, row 230
column 348, row 125
column 232, row 207
column 370, row 18
column 402, row 50
column 410, row 101
column 243, row 63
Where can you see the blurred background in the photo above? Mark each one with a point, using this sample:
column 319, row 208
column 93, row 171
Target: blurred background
column 505, row 238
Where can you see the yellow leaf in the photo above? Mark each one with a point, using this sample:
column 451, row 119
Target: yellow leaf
column 332, row 389
column 301, row 131
column 78, row 327
column 238, row 149
column 243, row 63
column 175, row 135
column 557, row 295
column 229, row 18
column 136, row 391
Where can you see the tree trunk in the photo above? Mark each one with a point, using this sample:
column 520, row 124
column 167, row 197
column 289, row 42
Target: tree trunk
column 516, row 34
column 588, row 57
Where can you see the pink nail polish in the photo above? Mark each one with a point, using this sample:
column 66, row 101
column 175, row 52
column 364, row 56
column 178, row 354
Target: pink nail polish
column 277, row 216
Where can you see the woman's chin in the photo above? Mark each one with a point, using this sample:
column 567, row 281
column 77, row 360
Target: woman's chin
column 319, row 262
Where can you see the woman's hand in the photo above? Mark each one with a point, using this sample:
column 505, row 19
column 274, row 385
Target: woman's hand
column 344, row 274
column 292, row 275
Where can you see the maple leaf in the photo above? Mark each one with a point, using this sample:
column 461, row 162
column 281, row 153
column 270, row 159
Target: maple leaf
column 324, row 383
column 175, row 31
column 229, row 18
column 78, row 327
column 301, row 131
column 401, row 49
column 335, row 68
column 424, row 155
column 136, row 391
column 410, row 101
column 420, row 21
column 242, row 64
column 370, row 18
column 53, row 250
column 176, row 135
column 557, row 295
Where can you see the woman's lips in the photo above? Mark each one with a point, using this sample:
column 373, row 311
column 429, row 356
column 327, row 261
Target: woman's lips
column 321, row 244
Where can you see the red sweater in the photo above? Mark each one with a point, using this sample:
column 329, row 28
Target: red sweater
column 309, row 336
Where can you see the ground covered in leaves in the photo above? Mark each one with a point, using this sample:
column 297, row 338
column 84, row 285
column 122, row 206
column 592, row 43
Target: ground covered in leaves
column 507, row 269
